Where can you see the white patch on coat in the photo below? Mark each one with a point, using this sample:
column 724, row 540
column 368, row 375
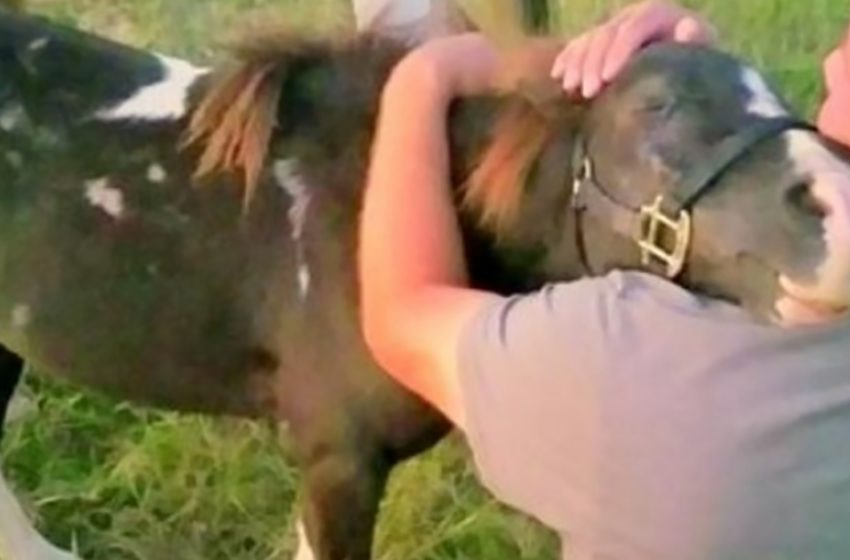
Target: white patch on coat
column 11, row 117
column 303, row 279
column 829, row 178
column 304, row 550
column 18, row 538
column 287, row 176
column 156, row 173
column 21, row 316
column 38, row 44
column 15, row 158
column 763, row 102
column 109, row 199
column 166, row 99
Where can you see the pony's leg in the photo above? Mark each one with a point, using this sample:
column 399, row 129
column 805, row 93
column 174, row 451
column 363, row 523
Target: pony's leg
column 11, row 370
column 18, row 538
column 340, row 504
column 410, row 21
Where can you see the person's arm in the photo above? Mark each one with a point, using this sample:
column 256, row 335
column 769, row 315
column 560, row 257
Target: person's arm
column 415, row 297
column 594, row 58
column 519, row 375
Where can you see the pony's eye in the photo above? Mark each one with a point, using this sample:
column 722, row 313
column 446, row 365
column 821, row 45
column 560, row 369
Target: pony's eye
column 658, row 105
column 801, row 198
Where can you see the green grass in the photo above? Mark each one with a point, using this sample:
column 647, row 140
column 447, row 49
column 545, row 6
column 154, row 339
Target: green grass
column 119, row 482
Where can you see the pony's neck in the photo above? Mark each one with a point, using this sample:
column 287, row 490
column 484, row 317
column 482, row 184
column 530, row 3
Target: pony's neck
column 539, row 245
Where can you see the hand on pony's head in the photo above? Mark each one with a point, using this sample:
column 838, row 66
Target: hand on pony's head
column 594, row 58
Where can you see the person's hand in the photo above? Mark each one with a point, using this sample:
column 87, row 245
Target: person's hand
column 595, row 58
column 834, row 116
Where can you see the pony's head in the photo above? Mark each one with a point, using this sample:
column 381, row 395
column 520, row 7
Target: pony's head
column 688, row 165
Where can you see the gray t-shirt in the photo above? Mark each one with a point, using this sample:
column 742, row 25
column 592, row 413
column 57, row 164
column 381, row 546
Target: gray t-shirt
column 644, row 423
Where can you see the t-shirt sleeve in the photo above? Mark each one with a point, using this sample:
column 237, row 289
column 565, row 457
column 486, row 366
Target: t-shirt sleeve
column 529, row 369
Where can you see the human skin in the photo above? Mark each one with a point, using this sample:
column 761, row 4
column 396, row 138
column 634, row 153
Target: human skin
column 834, row 115
column 593, row 59
column 414, row 288
column 587, row 63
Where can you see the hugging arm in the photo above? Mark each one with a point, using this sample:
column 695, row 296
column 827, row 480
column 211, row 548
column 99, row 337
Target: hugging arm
column 508, row 372
column 415, row 297
column 594, row 58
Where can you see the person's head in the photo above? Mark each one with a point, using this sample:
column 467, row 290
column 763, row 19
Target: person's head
column 834, row 116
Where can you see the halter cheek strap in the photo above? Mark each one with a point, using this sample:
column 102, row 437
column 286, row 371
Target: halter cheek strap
column 662, row 228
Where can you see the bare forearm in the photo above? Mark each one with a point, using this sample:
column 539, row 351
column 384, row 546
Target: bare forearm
column 412, row 271
column 414, row 294
column 410, row 235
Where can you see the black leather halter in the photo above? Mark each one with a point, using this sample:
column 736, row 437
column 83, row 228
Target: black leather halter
column 662, row 227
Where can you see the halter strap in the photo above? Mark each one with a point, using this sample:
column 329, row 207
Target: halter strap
column 731, row 150
column 654, row 223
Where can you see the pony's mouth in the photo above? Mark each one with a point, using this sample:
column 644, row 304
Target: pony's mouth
column 798, row 306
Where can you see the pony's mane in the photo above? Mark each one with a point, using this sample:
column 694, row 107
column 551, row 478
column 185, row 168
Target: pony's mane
column 233, row 123
column 494, row 188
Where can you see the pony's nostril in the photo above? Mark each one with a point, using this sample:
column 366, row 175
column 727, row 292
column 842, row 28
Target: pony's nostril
column 802, row 199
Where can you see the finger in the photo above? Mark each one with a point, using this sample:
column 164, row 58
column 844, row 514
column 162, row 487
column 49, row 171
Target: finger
column 563, row 60
column 594, row 60
column 692, row 30
column 560, row 64
column 629, row 39
column 574, row 63
column 644, row 26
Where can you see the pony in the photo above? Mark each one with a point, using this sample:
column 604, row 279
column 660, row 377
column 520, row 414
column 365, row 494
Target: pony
column 184, row 237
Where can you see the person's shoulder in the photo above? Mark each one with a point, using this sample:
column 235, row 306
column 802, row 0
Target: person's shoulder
column 624, row 292
column 623, row 285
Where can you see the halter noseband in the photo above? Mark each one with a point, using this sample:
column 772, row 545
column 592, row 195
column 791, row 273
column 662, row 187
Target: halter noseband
column 666, row 218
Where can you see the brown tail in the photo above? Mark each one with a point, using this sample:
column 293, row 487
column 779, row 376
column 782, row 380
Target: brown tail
column 234, row 123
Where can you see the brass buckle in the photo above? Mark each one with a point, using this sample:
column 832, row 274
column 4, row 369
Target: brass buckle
column 654, row 224
column 584, row 174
